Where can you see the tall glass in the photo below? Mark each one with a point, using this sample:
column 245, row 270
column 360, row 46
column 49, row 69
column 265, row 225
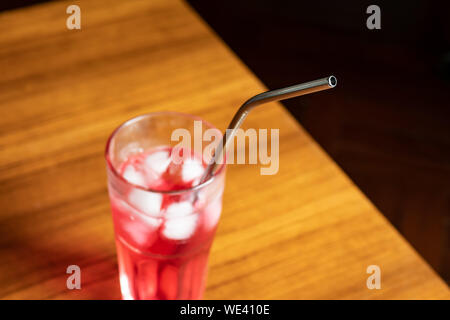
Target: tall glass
column 160, row 256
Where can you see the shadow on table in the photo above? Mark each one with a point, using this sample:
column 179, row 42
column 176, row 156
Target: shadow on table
column 37, row 266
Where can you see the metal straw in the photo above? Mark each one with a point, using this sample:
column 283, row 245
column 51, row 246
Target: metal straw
column 268, row 96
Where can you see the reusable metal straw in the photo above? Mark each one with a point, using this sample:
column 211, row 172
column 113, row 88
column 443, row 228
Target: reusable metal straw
column 268, row 96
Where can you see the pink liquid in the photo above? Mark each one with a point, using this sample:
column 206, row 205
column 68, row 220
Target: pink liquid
column 163, row 241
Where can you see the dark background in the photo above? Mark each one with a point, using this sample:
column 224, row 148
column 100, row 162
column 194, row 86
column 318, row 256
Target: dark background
column 387, row 124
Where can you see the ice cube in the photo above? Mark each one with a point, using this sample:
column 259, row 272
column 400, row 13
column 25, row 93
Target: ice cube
column 134, row 176
column 130, row 213
column 146, row 201
column 192, row 169
column 138, row 233
column 180, row 228
column 151, row 222
column 179, row 209
column 138, row 228
column 158, row 161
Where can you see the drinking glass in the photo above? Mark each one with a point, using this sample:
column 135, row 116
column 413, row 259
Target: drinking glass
column 160, row 256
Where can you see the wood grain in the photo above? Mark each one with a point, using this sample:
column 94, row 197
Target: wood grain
column 306, row 232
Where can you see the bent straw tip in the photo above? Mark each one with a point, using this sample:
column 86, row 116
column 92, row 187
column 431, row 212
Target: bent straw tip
column 332, row 81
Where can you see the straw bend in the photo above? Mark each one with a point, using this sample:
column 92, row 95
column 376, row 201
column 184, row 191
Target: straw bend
column 268, row 96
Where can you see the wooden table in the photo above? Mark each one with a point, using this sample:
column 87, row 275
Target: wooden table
column 306, row 232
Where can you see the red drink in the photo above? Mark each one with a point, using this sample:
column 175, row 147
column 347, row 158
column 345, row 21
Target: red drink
column 164, row 225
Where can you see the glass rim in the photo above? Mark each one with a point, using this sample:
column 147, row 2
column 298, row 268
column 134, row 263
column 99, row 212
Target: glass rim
column 146, row 115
